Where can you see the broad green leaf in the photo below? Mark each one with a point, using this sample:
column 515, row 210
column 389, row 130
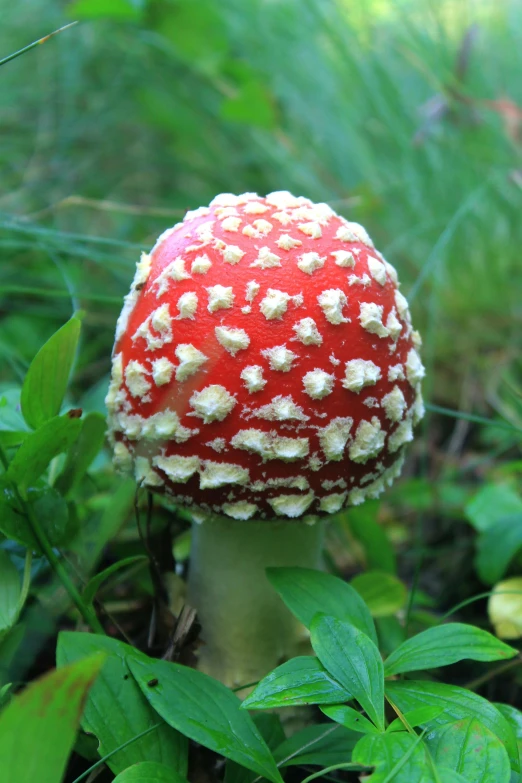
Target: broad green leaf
column 10, row 440
column 490, row 504
column 13, row 427
column 457, row 704
column 10, row 590
column 39, row 448
column 48, row 506
column 353, row 660
column 92, row 587
column 497, row 546
column 384, row 594
column 363, row 524
column 347, row 716
column 38, row 727
column 302, row 680
column 307, row 592
column 415, row 718
column 514, row 718
column 397, row 757
column 115, row 694
column 11, row 419
column 200, row 39
column 271, row 730
column 505, row 608
column 121, row 10
column 472, row 750
column 321, row 744
column 205, row 711
column 447, row 775
column 444, row 645
column 82, row 452
column 149, row 772
column 46, row 380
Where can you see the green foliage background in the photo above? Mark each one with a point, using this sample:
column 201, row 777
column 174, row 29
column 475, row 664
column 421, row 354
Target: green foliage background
column 402, row 115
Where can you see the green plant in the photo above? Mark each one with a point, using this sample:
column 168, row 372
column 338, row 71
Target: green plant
column 404, row 116
column 460, row 736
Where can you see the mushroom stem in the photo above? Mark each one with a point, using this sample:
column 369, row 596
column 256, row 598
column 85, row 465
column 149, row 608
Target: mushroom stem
column 246, row 628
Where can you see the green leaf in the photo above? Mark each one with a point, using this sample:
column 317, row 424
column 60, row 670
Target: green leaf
column 117, row 696
column 252, row 104
column 513, row 716
column 11, row 419
column 273, row 734
column 11, row 439
column 205, row 711
column 415, row 718
column 47, row 505
column 270, row 728
column 353, row 660
column 105, row 9
column 307, row 592
column 149, row 772
column 39, row 448
column 444, row 645
column 46, row 380
column 302, row 680
column 322, row 745
column 497, row 546
column 199, row 36
column 363, row 524
column 397, row 757
column 82, row 452
column 10, row 591
column 472, row 750
column 447, row 775
column 13, row 428
column 384, row 594
column 92, row 587
column 457, row 704
column 38, row 727
column 347, row 716
column 490, row 504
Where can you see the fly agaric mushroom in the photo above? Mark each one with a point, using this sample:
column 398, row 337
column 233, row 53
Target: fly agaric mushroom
column 265, row 375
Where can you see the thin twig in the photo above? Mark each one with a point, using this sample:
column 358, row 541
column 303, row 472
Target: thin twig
column 36, row 43
column 505, row 667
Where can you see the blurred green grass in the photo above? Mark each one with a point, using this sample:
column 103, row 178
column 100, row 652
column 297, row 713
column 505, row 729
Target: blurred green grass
column 405, row 116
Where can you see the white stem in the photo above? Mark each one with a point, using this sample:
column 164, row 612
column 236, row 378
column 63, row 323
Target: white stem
column 246, row 628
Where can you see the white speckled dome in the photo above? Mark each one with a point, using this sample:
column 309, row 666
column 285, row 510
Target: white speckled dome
column 265, row 363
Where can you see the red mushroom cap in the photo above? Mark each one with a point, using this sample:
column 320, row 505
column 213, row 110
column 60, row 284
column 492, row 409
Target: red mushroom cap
column 265, row 364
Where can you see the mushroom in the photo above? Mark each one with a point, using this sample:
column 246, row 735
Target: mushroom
column 265, row 375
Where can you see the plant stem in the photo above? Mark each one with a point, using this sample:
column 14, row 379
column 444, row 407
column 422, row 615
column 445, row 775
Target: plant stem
column 88, row 614
column 332, row 768
column 246, row 628
column 35, row 43
column 505, row 667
